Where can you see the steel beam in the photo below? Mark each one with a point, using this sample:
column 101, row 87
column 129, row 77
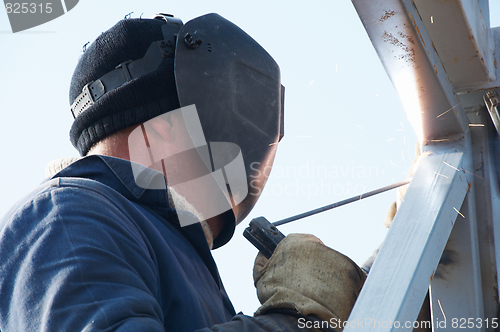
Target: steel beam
column 487, row 210
column 456, row 290
column 414, row 67
column 462, row 38
column 400, row 276
column 431, row 49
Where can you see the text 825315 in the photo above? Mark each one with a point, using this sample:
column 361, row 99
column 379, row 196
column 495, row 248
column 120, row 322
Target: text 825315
column 25, row 7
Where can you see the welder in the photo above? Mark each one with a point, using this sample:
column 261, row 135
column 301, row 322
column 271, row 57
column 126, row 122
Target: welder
column 168, row 118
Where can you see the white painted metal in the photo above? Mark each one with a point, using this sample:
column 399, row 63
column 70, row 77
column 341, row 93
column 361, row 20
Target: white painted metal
column 414, row 67
column 428, row 60
column 495, row 33
column 487, row 205
column 462, row 40
column 400, row 277
column 460, row 282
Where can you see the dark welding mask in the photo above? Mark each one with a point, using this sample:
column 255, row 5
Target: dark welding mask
column 231, row 107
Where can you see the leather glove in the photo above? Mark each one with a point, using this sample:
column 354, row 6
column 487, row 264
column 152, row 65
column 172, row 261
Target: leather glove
column 307, row 277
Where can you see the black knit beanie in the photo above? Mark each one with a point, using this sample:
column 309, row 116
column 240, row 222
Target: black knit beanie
column 132, row 103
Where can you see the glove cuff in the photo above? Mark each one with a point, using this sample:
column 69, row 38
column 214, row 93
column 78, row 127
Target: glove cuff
column 285, row 299
column 306, row 276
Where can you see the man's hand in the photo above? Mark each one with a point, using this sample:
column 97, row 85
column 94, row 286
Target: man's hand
column 307, row 277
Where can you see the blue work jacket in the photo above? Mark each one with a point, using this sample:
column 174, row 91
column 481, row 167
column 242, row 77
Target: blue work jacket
column 89, row 250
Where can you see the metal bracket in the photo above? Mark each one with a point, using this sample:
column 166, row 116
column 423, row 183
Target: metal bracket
column 492, row 100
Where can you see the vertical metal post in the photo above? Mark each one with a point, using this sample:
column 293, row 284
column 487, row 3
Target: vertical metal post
column 431, row 49
column 400, row 276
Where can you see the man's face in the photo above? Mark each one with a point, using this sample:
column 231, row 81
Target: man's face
column 173, row 144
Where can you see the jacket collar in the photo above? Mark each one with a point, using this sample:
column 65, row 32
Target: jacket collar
column 130, row 179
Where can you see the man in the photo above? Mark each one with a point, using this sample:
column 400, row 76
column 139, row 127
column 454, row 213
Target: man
column 169, row 117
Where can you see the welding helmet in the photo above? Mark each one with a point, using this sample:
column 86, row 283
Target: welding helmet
column 215, row 77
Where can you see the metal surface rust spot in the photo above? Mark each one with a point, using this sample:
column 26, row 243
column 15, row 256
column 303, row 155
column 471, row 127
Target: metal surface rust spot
column 388, row 14
column 416, row 28
column 410, row 52
column 407, row 37
column 434, row 47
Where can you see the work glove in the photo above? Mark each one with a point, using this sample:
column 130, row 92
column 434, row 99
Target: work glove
column 306, row 277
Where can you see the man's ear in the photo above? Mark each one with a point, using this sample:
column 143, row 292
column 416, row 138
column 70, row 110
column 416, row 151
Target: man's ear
column 163, row 126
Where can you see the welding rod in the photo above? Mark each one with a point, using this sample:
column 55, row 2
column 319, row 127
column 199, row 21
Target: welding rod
column 340, row 203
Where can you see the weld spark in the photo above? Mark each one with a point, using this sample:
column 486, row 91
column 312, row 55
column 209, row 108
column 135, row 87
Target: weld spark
column 441, row 175
column 459, row 212
column 442, row 311
column 448, row 110
column 451, row 166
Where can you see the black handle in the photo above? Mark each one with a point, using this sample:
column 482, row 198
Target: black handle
column 263, row 235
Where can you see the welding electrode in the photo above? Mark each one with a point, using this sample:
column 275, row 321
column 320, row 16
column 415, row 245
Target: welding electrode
column 265, row 236
column 340, row 203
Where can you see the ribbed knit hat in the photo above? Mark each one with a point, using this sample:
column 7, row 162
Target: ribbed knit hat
column 132, row 103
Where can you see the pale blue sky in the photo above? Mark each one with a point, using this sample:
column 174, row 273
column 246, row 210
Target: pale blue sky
column 345, row 129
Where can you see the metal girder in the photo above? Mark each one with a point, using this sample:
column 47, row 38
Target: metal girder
column 431, row 49
column 414, row 67
column 462, row 39
column 466, row 293
column 459, row 282
column 487, row 198
column 400, row 276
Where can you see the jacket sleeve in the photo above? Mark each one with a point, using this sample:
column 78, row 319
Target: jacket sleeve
column 67, row 265
column 275, row 322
